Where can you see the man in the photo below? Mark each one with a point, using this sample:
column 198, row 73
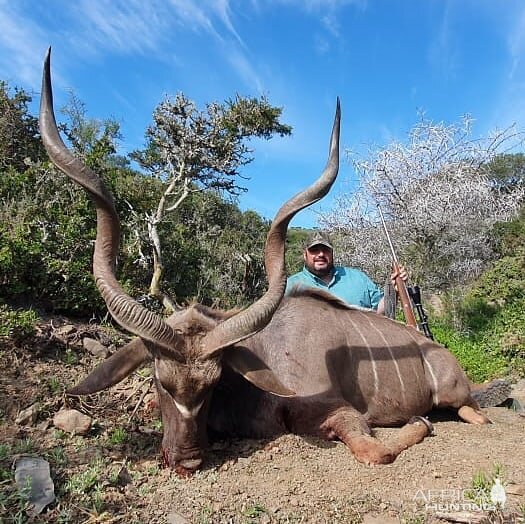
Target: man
column 349, row 284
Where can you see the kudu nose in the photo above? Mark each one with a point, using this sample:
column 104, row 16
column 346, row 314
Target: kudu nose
column 191, row 464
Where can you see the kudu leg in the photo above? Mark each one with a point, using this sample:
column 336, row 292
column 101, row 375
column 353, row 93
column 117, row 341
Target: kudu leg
column 412, row 433
column 472, row 415
column 350, row 427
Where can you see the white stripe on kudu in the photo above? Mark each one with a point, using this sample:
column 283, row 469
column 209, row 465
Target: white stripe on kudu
column 372, row 360
column 435, row 397
column 394, row 360
column 185, row 412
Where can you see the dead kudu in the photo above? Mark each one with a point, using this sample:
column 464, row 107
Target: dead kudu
column 345, row 370
column 188, row 348
column 351, row 369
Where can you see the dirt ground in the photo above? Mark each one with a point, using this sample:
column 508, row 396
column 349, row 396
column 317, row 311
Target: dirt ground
column 114, row 473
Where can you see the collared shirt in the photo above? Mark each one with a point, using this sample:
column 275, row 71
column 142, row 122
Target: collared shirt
column 349, row 284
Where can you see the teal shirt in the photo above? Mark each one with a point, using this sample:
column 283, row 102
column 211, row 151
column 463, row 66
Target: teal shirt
column 349, row 284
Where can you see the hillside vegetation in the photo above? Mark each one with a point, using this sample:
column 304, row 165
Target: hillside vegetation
column 212, row 251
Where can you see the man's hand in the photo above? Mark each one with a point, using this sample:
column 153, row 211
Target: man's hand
column 398, row 272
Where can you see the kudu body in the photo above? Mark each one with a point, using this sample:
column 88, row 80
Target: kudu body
column 188, row 348
column 351, row 370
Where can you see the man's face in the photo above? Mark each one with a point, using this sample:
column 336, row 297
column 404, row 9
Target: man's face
column 319, row 260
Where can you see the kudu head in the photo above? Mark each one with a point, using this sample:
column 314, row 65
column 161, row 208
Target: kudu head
column 190, row 347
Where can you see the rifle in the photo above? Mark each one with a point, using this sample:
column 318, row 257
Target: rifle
column 410, row 296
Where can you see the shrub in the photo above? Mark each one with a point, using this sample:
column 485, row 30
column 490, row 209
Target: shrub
column 17, row 324
column 479, row 362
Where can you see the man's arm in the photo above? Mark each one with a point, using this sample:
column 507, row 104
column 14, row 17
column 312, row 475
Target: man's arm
column 381, row 306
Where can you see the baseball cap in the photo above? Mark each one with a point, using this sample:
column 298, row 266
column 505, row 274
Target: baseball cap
column 316, row 238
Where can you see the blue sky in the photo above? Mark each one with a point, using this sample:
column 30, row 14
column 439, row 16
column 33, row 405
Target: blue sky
column 385, row 59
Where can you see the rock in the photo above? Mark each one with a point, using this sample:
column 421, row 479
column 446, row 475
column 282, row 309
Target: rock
column 124, row 478
column 95, row 347
column 493, row 393
column 515, row 489
column 379, row 519
column 65, row 330
column 72, row 421
column 27, row 416
column 243, row 461
column 42, row 426
column 176, row 518
column 517, row 396
column 33, row 474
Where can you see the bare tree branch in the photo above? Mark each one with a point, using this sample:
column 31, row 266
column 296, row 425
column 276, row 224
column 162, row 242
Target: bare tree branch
column 437, row 192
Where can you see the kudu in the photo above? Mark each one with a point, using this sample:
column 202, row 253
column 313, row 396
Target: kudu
column 351, row 369
column 188, row 348
column 345, row 369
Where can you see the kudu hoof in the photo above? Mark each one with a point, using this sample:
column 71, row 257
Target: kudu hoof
column 425, row 421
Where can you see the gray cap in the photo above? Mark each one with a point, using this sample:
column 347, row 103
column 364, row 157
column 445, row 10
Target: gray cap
column 318, row 238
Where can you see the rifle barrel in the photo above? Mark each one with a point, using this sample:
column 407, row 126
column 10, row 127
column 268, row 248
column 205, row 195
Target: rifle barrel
column 401, row 287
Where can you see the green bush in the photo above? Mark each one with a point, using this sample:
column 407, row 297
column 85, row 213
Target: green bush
column 484, row 325
column 479, row 362
column 17, row 323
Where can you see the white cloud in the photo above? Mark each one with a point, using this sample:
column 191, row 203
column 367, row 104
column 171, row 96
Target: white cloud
column 223, row 10
column 245, row 70
column 125, row 27
column 516, row 43
column 100, row 28
column 331, row 23
column 20, row 43
column 322, row 5
column 442, row 52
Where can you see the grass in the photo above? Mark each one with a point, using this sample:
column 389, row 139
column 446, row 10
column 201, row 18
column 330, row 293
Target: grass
column 255, row 511
column 54, row 385
column 118, row 436
column 86, row 486
column 70, row 357
column 479, row 362
column 26, row 445
column 482, row 485
column 14, row 502
column 57, row 456
column 17, row 323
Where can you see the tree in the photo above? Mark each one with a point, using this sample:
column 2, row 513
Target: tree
column 440, row 199
column 19, row 135
column 47, row 225
column 192, row 151
column 507, row 171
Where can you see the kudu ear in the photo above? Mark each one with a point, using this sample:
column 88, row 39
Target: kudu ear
column 114, row 369
column 253, row 369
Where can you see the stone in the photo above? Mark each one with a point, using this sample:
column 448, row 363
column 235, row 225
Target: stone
column 176, row 518
column 124, row 478
column 65, row 330
column 72, row 421
column 95, row 347
column 518, row 395
column 33, row 474
column 27, row 416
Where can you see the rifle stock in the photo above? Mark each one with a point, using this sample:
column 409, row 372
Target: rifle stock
column 404, row 297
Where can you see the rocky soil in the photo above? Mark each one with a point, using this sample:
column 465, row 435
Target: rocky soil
column 113, row 472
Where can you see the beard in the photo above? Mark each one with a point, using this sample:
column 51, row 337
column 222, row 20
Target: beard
column 320, row 271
